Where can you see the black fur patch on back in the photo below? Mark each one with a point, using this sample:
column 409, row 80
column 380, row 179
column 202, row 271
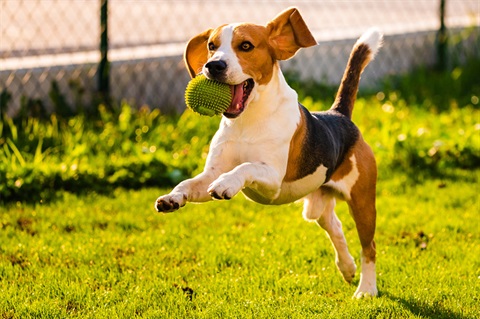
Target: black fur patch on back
column 330, row 135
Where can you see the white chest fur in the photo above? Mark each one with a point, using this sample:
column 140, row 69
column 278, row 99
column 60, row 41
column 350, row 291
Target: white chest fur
column 263, row 132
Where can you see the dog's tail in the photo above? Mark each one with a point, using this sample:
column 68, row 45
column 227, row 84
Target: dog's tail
column 363, row 52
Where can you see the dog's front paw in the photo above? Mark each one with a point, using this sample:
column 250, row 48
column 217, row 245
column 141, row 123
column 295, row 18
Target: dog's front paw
column 225, row 187
column 171, row 202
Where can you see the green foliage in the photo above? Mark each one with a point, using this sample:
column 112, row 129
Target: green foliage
column 439, row 91
column 417, row 141
column 130, row 148
column 455, row 84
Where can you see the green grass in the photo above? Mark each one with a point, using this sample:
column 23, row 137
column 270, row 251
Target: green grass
column 112, row 256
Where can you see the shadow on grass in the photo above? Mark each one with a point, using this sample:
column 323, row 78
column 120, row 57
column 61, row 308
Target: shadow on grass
column 423, row 309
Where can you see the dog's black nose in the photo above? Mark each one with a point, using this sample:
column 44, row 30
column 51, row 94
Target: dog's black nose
column 216, row 68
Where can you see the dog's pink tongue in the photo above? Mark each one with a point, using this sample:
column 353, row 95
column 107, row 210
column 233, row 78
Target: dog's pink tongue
column 237, row 97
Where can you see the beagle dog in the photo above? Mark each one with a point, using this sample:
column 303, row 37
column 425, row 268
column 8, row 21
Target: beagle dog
column 272, row 149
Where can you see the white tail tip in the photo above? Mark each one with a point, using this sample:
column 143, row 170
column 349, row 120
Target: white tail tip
column 373, row 38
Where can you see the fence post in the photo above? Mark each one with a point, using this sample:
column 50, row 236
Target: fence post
column 442, row 37
column 104, row 65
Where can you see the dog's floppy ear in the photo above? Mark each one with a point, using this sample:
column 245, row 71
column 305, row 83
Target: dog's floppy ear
column 288, row 33
column 196, row 53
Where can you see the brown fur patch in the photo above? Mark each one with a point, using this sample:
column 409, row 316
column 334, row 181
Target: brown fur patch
column 196, row 53
column 344, row 169
column 295, row 151
column 258, row 63
column 288, row 32
column 215, row 38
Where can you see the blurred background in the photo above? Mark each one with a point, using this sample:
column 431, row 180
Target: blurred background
column 70, row 54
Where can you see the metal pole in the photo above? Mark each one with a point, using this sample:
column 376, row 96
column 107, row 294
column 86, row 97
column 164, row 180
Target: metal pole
column 104, row 65
column 442, row 40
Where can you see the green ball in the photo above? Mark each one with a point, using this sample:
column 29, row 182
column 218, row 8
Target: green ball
column 207, row 97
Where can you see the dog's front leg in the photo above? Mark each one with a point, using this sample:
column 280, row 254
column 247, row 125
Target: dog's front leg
column 259, row 177
column 190, row 190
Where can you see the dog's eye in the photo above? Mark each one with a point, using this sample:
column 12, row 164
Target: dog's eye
column 246, row 46
column 211, row 46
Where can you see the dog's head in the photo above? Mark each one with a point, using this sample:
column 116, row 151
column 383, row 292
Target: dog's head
column 244, row 55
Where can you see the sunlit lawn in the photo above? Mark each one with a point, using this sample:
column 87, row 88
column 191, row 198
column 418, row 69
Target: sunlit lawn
column 114, row 257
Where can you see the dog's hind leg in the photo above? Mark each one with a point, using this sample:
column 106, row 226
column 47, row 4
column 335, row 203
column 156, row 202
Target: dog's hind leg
column 319, row 206
column 362, row 208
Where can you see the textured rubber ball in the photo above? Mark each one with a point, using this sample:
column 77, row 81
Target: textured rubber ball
column 207, row 97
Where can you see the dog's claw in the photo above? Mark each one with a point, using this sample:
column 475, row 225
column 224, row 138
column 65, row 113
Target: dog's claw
column 215, row 195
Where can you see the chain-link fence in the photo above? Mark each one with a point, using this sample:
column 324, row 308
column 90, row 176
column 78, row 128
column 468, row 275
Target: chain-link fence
column 50, row 49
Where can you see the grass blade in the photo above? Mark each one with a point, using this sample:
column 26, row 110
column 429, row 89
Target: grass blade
column 16, row 151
